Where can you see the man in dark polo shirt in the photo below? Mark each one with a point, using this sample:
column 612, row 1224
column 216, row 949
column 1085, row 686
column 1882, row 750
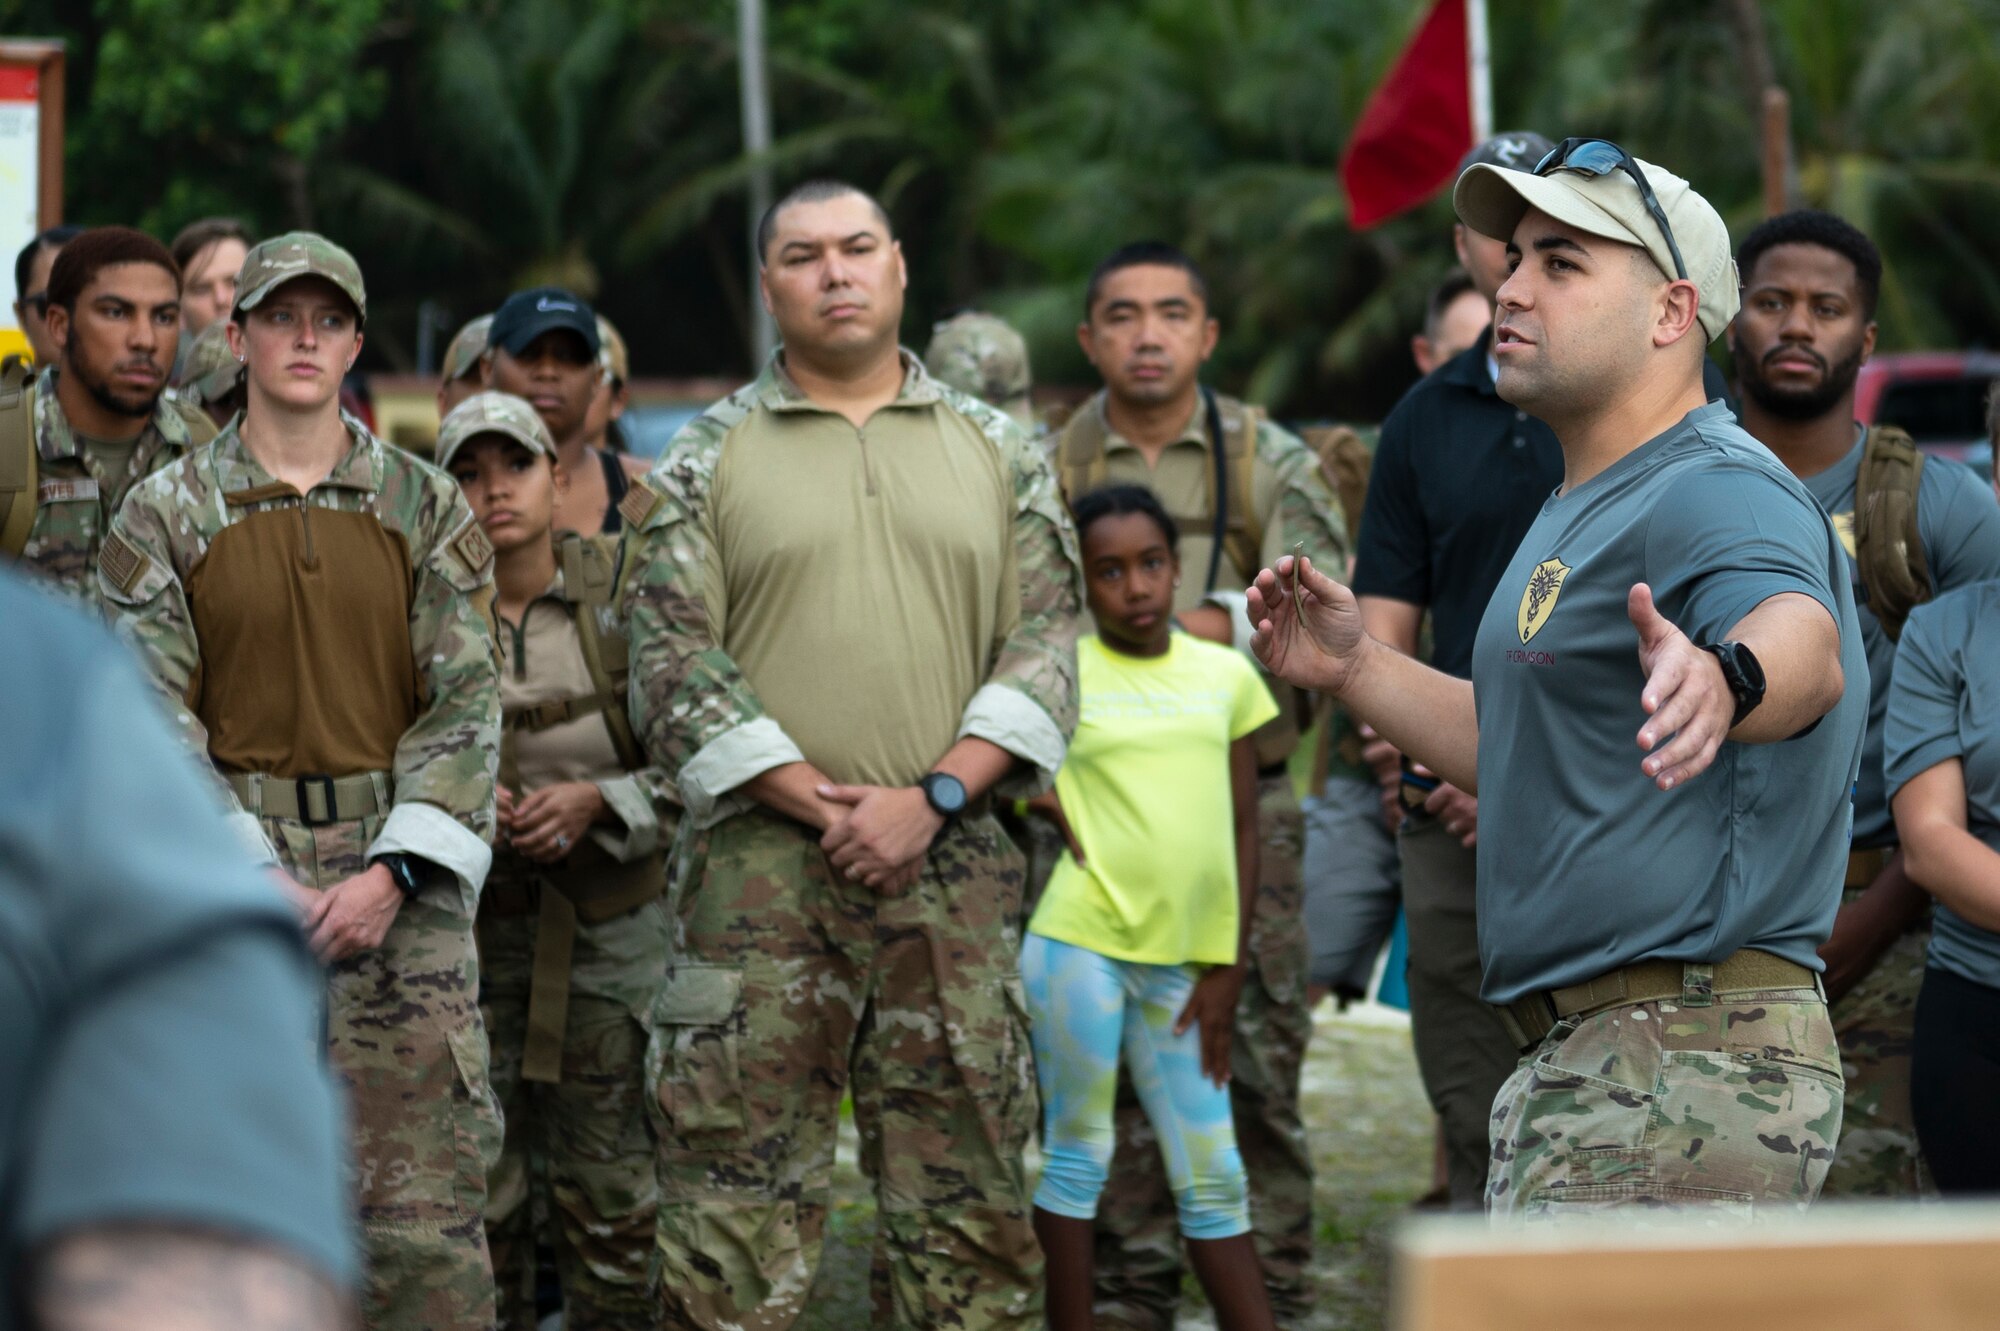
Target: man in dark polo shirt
column 1659, row 718
column 1458, row 476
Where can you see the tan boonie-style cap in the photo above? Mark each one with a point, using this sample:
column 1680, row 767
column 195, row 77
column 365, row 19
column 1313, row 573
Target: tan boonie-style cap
column 611, row 352
column 274, row 262
column 212, row 369
column 981, row 355
column 1492, row 201
column 493, row 413
column 468, row 344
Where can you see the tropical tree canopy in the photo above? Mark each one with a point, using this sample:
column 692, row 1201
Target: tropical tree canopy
column 465, row 147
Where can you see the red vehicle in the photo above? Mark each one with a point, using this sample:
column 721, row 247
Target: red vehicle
column 1938, row 396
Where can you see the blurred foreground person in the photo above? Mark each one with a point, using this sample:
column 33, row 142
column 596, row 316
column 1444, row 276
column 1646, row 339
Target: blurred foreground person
column 311, row 604
column 853, row 597
column 1243, row 490
column 98, row 419
column 169, row 1145
column 1912, row 530
column 1648, row 926
column 572, row 935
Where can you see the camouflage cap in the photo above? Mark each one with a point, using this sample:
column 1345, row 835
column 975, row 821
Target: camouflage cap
column 274, row 262
column 493, row 413
column 611, row 352
column 211, row 369
column 981, row 354
column 468, row 344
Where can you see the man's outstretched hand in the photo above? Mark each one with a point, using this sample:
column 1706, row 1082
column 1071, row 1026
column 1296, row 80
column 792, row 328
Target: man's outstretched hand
column 1688, row 703
column 1313, row 639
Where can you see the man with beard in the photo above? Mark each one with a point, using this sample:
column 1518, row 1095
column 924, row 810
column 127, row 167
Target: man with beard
column 1810, row 282
column 97, row 421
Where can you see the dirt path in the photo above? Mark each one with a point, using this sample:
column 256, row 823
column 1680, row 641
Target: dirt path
column 1371, row 1138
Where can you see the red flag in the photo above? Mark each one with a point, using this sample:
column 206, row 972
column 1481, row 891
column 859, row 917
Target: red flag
column 1416, row 126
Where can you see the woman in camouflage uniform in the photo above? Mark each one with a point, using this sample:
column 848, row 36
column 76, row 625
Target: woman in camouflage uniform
column 572, row 936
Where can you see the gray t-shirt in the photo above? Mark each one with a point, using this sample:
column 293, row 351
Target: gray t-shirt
column 1945, row 703
column 1960, row 526
column 1584, row 864
column 158, row 1006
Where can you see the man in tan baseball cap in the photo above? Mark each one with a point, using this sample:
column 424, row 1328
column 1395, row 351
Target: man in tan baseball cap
column 1663, row 745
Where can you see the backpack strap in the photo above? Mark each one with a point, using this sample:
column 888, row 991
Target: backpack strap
column 590, row 577
column 1243, row 534
column 1080, row 462
column 16, row 371
column 1888, row 545
column 20, row 474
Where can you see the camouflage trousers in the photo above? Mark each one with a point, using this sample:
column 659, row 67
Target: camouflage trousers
column 1876, row 1022
column 1139, row 1258
column 404, row 1037
column 788, row 986
column 1726, row 1106
column 587, row 1134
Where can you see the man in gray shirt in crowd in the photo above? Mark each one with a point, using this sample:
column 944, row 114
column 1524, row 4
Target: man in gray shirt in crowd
column 1658, row 724
column 1807, row 326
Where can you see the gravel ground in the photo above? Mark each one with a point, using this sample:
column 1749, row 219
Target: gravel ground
column 1371, row 1137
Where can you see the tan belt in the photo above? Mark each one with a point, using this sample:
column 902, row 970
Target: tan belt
column 542, row 715
column 313, row 799
column 613, row 890
column 1864, row 865
column 1693, row 983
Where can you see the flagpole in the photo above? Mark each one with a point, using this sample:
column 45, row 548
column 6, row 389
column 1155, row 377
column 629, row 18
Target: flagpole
column 1479, row 67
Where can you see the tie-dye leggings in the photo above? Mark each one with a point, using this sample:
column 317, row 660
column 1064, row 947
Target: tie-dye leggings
column 1083, row 1006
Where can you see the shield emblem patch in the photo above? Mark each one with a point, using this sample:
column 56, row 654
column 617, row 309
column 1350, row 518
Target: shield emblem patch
column 1538, row 599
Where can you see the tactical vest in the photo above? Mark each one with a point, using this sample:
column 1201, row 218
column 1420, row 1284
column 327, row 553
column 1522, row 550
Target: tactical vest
column 589, row 884
column 1888, row 546
column 20, row 457
column 1082, row 466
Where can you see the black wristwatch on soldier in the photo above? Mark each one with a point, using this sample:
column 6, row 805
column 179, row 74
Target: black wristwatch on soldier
column 410, row 873
column 945, row 794
column 1743, row 674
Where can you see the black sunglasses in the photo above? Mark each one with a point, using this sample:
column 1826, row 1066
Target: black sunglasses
column 39, row 303
column 1600, row 157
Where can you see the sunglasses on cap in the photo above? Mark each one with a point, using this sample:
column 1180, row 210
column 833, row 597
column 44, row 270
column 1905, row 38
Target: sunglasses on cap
column 1600, row 157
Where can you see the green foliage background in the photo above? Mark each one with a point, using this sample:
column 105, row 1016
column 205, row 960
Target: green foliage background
column 462, row 147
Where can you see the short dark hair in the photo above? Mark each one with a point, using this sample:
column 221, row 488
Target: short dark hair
column 99, row 248
column 53, row 239
column 198, row 235
column 1443, row 296
column 814, row 191
column 1809, row 226
column 1117, row 501
column 1143, row 254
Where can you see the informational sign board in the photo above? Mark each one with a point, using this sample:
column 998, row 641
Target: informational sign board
column 31, row 134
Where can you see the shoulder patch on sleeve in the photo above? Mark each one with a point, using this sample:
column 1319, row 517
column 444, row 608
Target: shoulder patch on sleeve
column 473, row 550
column 121, row 564
column 641, row 501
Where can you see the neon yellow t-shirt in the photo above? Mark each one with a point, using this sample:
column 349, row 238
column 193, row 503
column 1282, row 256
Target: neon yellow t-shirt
column 1146, row 790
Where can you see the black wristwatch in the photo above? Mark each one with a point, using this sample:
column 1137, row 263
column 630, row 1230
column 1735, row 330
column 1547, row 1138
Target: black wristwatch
column 410, row 873
column 1744, row 676
column 945, row 793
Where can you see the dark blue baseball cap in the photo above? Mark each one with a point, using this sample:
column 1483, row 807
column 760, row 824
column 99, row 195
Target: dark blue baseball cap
column 526, row 315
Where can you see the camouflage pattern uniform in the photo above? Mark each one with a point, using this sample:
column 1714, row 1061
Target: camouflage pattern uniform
column 467, row 345
column 211, row 371
column 982, row 356
column 1875, row 1021
column 571, row 952
column 1601, row 1115
column 402, row 1023
column 790, row 984
column 79, row 494
column 1140, row 1263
